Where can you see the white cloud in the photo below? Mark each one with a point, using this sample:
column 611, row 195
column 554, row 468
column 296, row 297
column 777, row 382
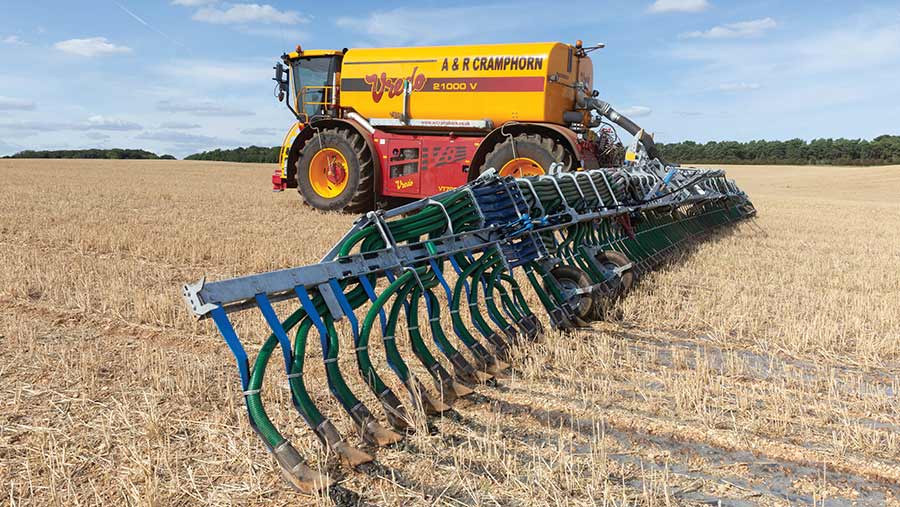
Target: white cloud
column 99, row 122
column 739, row 87
column 24, row 128
column 93, row 46
column 741, row 30
column 678, row 6
column 179, row 125
column 13, row 40
column 248, row 13
column 870, row 44
column 201, row 108
column 96, row 122
column 97, row 136
column 12, row 104
column 811, row 80
column 636, row 111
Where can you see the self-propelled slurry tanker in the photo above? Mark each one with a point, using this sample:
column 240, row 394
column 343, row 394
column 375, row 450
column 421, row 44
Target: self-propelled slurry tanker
column 521, row 206
column 377, row 124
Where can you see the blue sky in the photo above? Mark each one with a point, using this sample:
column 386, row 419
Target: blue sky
column 179, row 76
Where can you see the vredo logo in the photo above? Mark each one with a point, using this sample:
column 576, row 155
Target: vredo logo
column 393, row 85
column 401, row 184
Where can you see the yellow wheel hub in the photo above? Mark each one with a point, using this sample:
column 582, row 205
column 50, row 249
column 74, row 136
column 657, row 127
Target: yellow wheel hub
column 521, row 167
column 328, row 173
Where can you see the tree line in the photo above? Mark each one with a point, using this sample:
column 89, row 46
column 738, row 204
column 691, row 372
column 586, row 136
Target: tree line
column 95, row 153
column 882, row 150
column 255, row 154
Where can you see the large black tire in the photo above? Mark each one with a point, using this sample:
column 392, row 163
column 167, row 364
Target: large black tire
column 359, row 194
column 544, row 151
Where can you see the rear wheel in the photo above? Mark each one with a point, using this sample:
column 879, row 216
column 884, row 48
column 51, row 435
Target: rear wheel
column 335, row 172
column 528, row 155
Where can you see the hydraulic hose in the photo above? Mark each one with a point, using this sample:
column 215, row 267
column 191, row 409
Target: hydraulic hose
column 606, row 110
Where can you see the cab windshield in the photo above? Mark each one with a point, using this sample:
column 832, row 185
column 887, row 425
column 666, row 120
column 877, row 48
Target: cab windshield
column 313, row 80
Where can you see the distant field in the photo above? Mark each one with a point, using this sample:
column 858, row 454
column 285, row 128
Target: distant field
column 762, row 367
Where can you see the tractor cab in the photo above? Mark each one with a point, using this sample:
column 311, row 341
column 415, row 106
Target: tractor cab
column 310, row 82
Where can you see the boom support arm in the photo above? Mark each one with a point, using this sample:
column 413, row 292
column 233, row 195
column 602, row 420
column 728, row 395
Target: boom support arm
column 604, row 109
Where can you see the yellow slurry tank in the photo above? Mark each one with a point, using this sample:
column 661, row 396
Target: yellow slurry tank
column 377, row 126
column 532, row 82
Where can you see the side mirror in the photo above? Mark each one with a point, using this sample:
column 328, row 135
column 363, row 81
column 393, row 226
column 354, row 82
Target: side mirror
column 281, row 80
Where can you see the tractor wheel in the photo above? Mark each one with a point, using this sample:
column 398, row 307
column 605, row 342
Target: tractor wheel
column 528, row 155
column 571, row 279
column 335, row 172
column 619, row 286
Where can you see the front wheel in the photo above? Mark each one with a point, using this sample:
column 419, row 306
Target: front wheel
column 335, row 172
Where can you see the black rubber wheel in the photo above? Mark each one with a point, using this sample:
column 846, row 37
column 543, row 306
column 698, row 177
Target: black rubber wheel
column 570, row 279
column 541, row 151
column 357, row 196
column 613, row 260
column 618, row 286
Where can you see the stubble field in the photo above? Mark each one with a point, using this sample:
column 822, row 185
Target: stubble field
column 761, row 367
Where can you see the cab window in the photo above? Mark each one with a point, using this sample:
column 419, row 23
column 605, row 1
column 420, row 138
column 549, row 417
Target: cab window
column 313, row 79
